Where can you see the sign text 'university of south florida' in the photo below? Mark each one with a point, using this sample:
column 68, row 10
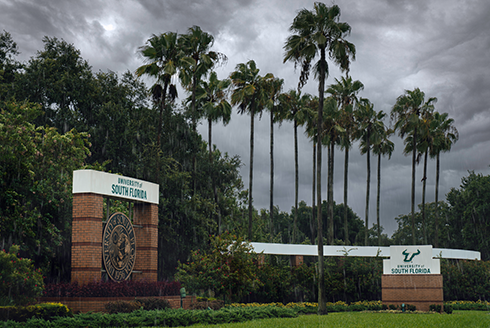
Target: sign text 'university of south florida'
column 114, row 185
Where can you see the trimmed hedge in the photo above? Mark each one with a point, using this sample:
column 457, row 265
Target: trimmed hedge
column 163, row 318
column 45, row 311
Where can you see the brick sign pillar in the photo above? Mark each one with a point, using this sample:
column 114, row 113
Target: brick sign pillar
column 146, row 233
column 86, row 244
column 412, row 276
column 89, row 189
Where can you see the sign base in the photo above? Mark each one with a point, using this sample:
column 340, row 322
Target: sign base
column 420, row 290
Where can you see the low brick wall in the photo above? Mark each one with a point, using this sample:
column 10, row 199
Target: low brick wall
column 97, row 304
column 420, row 290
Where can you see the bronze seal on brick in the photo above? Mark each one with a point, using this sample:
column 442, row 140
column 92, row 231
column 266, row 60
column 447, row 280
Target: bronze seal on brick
column 118, row 250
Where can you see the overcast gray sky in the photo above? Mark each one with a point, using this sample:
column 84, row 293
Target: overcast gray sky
column 441, row 47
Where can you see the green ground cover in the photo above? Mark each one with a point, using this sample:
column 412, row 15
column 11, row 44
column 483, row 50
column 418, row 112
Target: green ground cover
column 377, row 320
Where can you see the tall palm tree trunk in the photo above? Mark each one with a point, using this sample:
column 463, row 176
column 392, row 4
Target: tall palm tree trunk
column 312, row 222
column 414, row 151
column 346, row 174
column 322, row 308
column 250, row 181
column 368, row 183
column 271, row 203
column 436, row 237
column 330, row 194
column 424, row 223
column 213, row 184
column 377, row 199
column 296, row 173
column 159, row 130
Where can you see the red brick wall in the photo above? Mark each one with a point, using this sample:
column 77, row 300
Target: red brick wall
column 146, row 215
column 86, row 246
column 420, row 290
column 97, row 304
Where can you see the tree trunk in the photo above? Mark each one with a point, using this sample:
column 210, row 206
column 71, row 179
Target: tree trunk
column 377, row 199
column 322, row 308
column 436, row 237
column 159, row 130
column 271, row 203
column 424, row 223
column 330, row 194
column 346, row 173
column 250, row 181
column 194, row 129
column 368, row 183
column 312, row 222
column 414, row 151
column 296, row 173
column 213, row 184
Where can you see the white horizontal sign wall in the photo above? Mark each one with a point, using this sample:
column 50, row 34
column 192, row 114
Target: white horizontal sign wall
column 113, row 185
column 360, row 251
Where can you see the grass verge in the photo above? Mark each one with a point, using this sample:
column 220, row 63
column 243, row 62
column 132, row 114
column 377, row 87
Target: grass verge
column 375, row 320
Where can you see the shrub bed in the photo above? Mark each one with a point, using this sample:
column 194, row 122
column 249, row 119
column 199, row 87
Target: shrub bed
column 163, row 318
column 45, row 311
column 468, row 305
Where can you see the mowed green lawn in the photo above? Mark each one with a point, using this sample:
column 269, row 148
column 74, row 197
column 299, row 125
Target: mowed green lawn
column 464, row 319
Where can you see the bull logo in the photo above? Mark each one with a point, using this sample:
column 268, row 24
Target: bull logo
column 408, row 257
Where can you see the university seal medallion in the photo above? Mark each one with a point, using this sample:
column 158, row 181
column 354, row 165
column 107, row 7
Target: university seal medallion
column 118, row 247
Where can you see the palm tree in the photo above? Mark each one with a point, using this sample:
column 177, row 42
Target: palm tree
column 383, row 146
column 332, row 130
column 406, row 114
column 444, row 137
column 310, row 120
column 250, row 94
column 196, row 46
column 293, row 108
column 274, row 90
column 211, row 96
column 426, row 138
column 318, row 32
column 370, row 131
column 165, row 58
column 345, row 92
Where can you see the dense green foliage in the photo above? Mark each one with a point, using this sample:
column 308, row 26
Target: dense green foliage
column 138, row 303
column 162, row 318
column 20, row 282
column 228, row 269
column 463, row 222
column 43, row 311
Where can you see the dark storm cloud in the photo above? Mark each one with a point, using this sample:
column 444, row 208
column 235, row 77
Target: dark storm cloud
column 439, row 46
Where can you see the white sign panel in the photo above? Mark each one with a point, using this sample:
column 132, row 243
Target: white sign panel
column 411, row 260
column 113, row 185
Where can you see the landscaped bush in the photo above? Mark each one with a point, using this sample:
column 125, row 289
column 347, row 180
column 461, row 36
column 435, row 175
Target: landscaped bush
column 46, row 311
column 152, row 303
column 163, row 318
column 468, row 305
column 113, row 289
column 20, row 282
column 312, row 307
column 435, row 308
column 448, row 309
column 122, row 306
column 229, row 268
column 203, row 303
